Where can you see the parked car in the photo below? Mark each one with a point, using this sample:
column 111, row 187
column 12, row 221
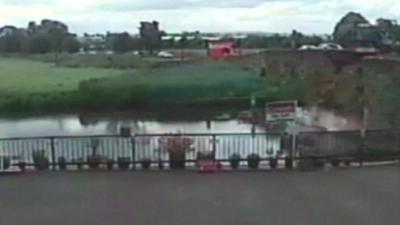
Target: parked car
column 164, row 54
column 330, row 46
column 308, row 47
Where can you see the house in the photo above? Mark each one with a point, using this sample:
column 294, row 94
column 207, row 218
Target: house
column 222, row 50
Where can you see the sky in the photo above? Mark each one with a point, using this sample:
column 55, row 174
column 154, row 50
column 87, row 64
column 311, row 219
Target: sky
column 275, row 16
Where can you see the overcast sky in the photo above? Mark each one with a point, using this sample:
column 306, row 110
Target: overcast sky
column 308, row 16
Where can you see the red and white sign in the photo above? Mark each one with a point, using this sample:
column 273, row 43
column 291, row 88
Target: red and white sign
column 276, row 111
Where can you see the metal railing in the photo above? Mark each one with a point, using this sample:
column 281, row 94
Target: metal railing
column 77, row 152
column 136, row 149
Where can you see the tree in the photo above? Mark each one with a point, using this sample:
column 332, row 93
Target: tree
column 71, row 45
column 150, row 35
column 122, row 43
column 39, row 43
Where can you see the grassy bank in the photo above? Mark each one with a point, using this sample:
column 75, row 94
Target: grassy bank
column 34, row 86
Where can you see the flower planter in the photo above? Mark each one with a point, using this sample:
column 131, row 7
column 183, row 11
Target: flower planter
column 253, row 161
column 22, row 166
column 273, row 163
column 177, row 160
column 234, row 160
column 335, row 162
column 124, row 163
column 93, row 162
column 146, row 163
column 110, row 164
column 40, row 161
column 62, row 163
column 288, row 163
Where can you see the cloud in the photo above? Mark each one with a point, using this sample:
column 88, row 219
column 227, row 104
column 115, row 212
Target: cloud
column 126, row 5
column 309, row 16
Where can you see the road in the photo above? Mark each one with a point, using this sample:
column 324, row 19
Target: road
column 368, row 196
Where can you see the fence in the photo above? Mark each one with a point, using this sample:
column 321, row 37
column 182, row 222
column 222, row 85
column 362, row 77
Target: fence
column 378, row 145
column 158, row 149
column 136, row 149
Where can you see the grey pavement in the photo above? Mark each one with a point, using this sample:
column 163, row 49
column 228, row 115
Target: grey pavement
column 367, row 196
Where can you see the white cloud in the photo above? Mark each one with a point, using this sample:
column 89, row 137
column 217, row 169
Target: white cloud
column 309, row 16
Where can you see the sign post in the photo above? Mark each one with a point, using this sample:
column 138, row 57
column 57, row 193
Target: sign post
column 285, row 111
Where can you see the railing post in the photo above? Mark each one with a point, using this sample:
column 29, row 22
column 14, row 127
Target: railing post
column 53, row 154
column 362, row 148
column 214, row 145
column 133, row 143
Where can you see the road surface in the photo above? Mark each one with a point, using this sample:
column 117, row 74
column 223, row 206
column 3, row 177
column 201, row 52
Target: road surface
column 368, row 196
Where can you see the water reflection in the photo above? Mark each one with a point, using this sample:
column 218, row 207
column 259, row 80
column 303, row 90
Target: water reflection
column 74, row 125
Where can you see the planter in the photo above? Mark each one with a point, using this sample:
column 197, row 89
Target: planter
column 78, row 162
column 273, row 163
column 318, row 163
column 335, row 162
column 62, row 163
column 146, row 163
column 93, row 162
column 288, row 163
column 124, row 163
column 177, row 160
column 253, row 161
column 347, row 162
column 41, row 164
column 234, row 160
column 160, row 165
column 110, row 164
column 40, row 161
column 22, row 166
column 79, row 165
column 6, row 163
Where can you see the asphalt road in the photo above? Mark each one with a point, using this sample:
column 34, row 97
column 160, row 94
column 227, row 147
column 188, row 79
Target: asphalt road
column 368, row 196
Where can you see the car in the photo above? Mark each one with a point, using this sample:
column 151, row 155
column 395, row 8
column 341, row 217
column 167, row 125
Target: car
column 330, row 46
column 164, row 54
column 308, row 47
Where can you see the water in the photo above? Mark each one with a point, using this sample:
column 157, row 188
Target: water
column 184, row 122
column 68, row 125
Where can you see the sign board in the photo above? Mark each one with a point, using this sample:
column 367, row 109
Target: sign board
column 278, row 111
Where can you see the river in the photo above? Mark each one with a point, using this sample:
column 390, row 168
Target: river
column 222, row 121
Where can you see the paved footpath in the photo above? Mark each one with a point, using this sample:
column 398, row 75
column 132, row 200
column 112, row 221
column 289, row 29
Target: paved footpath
column 368, row 196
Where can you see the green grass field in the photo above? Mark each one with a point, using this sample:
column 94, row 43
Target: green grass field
column 32, row 85
column 25, row 77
